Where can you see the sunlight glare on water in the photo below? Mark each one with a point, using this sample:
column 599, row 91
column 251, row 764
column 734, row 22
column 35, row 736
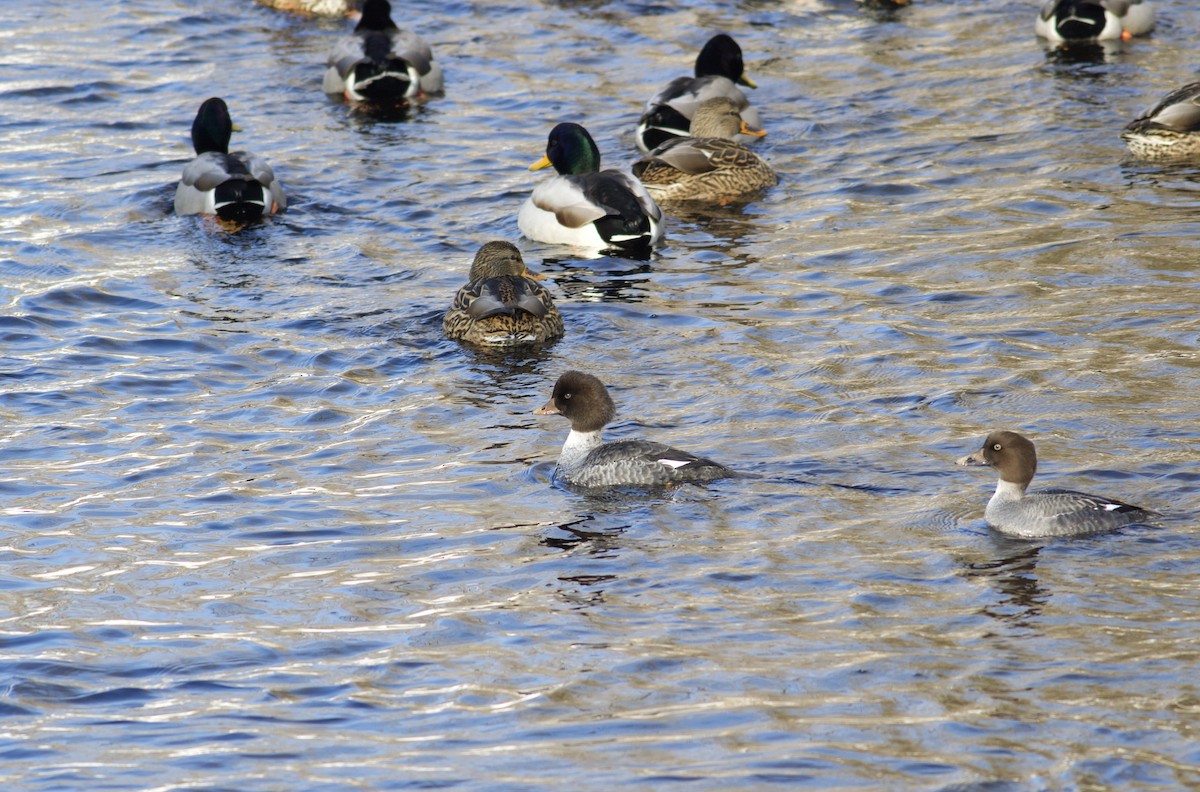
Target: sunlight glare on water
column 264, row 527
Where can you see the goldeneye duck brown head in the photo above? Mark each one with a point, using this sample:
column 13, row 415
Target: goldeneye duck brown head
column 1010, row 453
column 582, row 399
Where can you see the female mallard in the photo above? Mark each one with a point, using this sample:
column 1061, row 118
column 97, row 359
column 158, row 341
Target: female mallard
column 711, row 166
column 585, row 206
column 234, row 185
column 669, row 113
column 1084, row 20
column 502, row 305
column 381, row 63
column 1170, row 129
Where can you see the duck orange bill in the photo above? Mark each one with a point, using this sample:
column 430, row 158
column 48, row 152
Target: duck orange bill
column 749, row 130
column 544, row 162
column 533, row 275
column 547, row 409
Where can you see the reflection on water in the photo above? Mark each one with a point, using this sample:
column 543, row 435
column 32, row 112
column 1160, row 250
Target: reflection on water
column 261, row 520
column 1014, row 576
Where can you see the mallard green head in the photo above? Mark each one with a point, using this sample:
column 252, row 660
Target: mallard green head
column 571, row 150
column 722, row 57
column 496, row 259
column 212, row 128
column 376, row 15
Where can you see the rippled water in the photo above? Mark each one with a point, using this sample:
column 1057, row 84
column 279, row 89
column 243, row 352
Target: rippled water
column 264, row 528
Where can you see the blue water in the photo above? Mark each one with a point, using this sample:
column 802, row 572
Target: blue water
column 264, row 528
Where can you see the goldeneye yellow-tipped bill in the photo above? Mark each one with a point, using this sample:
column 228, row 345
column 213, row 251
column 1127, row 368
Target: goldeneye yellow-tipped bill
column 547, row 409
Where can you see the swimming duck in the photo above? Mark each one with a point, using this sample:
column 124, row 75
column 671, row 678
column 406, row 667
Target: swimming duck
column 585, row 206
column 710, row 165
column 669, row 112
column 587, row 461
column 233, row 185
column 1170, row 129
column 502, row 305
column 325, row 8
column 1082, row 20
column 381, row 63
column 1051, row 512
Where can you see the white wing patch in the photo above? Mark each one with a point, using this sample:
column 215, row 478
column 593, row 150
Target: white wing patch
column 1111, row 506
column 675, row 464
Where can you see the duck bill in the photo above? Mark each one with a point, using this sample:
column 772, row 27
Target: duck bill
column 547, row 409
column 749, row 130
column 746, row 81
column 528, row 273
column 972, row 460
column 544, row 162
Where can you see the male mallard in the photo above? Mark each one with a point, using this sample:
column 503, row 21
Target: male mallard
column 585, row 206
column 381, row 63
column 669, row 113
column 711, row 166
column 502, row 305
column 1084, row 20
column 236, row 186
column 1170, row 129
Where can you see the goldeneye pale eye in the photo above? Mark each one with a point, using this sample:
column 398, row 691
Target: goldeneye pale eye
column 236, row 186
column 1094, row 20
column 587, row 461
column 1051, row 512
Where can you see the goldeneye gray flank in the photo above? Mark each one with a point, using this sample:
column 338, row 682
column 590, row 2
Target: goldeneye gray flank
column 587, row 461
column 1050, row 512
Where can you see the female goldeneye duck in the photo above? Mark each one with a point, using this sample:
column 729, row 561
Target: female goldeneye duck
column 585, row 206
column 236, row 186
column 587, row 461
column 1051, row 512
column 1170, row 129
column 669, row 112
column 709, row 165
column 381, row 64
column 1091, row 20
column 502, row 305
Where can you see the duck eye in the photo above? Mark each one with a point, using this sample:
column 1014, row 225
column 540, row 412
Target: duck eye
column 567, row 395
column 996, row 447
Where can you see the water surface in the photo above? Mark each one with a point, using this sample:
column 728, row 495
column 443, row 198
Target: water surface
column 264, row 528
